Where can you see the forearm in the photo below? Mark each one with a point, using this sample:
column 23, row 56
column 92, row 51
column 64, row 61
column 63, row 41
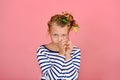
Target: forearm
column 47, row 66
column 67, row 56
column 70, row 70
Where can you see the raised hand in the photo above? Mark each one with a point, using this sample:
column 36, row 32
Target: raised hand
column 68, row 49
column 62, row 47
column 65, row 48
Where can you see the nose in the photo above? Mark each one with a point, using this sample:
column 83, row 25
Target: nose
column 60, row 38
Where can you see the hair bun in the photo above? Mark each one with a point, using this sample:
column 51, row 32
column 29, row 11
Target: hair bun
column 70, row 19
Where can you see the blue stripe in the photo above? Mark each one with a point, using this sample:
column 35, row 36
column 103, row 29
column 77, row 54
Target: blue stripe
column 41, row 55
column 42, row 51
column 57, row 59
column 45, row 69
column 71, row 74
column 52, row 74
column 44, row 62
column 68, row 61
column 56, row 69
column 76, row 62
column 57, row 66
column 42, row 59
column 45, row 65
column 77, row 65
column 74, row 77
column 58, row 63
column 69, row 64
column 69, row 68
column 49, row 76
column 76, row 53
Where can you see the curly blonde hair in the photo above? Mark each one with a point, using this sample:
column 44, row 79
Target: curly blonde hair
column 62, row 20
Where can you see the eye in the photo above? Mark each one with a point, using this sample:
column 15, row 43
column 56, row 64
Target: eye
column 55, row 35
column 64, row 35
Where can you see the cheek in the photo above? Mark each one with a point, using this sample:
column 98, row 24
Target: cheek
column 54, row 40
column 65, row 37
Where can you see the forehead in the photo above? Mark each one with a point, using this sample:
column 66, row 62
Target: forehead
column 59, row 30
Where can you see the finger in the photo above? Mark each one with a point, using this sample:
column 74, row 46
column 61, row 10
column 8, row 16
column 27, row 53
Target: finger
column 64, row 47
column 70, row 44
column 64, row 42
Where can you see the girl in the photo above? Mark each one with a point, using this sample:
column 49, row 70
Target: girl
column 59, row 59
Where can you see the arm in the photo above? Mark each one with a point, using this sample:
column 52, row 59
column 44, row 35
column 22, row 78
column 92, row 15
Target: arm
column 72, row 65
column 50, row 70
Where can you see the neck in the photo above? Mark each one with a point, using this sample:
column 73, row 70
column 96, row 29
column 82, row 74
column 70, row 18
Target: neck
column 54, row 46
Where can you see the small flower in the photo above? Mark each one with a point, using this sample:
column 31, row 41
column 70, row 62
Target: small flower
column 64, row 20
column 69, row 18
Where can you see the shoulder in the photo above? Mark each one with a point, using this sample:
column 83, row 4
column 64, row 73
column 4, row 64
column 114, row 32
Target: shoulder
column 40, row 49
column 76, row 50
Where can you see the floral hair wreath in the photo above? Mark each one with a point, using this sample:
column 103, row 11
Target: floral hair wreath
column 69, row 18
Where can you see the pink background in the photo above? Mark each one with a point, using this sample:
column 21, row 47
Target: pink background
column 23, row 28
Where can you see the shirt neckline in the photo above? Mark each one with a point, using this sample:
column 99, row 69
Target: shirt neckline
column 50, row 49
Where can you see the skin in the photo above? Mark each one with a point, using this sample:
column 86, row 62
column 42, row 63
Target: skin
column 60, row 40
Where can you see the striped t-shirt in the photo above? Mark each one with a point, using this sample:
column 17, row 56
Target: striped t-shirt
column 55, row 67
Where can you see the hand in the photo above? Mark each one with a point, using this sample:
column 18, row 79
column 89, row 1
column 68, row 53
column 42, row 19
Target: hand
column 62, row 47
column 68, row 50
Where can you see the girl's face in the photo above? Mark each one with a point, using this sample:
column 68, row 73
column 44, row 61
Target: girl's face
column 58, row 33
